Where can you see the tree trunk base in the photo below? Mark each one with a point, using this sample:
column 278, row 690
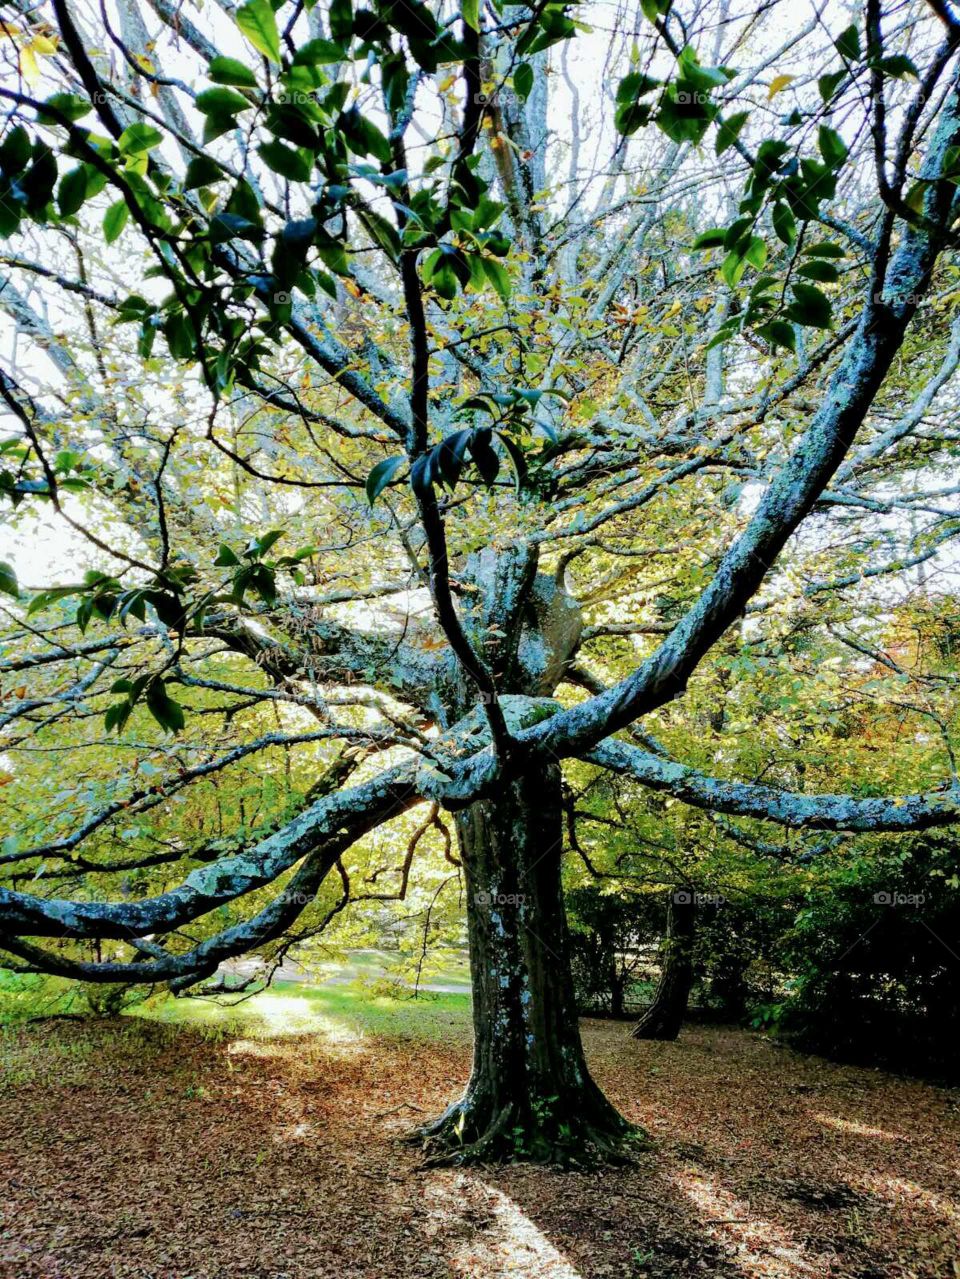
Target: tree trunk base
column 530, row 1097
column 478, row 1130
column 653, row 1027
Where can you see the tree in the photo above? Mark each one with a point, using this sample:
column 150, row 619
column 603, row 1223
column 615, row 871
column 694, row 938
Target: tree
column 362, row 299
column 664, row 1015
column 607, row 931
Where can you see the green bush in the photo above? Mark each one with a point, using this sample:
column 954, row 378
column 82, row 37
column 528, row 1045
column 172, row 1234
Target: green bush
column 874, row 957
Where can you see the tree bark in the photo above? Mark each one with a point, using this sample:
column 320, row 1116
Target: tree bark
column 664, row 1017
column 618, row 984
column 530, row 1094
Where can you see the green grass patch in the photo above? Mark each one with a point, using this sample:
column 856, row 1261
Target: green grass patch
column 338, row 1012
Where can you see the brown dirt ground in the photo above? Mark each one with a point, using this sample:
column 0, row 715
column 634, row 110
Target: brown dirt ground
column 139, row 1151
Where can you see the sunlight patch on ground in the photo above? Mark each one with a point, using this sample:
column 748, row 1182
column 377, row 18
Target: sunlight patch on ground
column 906, row 1193
column 763, row 1249
column 250, row 1048
column 502, row 1239
column 292, row 1015
column 267, row 1015
column 303, row 1130
column 857, row 1129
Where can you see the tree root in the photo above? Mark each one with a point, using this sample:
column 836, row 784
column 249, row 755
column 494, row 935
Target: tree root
column 471, row 1132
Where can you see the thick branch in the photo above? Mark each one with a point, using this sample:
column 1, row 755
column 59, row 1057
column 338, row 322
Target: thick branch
column 786, row 808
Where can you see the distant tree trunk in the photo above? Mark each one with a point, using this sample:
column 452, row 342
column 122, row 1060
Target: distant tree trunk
column 618, row 983
column 730, row 990
column 530, row 1094
column 664, row 1017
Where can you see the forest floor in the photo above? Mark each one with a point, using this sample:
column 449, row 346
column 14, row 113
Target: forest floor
column 262, row 1144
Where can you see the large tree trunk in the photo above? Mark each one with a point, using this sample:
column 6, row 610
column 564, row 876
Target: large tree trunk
column 664, row 1017
column 530, row 1095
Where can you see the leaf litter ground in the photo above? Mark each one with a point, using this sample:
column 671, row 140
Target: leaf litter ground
column 141, row 1151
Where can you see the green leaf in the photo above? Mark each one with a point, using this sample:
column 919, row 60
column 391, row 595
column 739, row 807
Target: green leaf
column 829, row 84
column 231, row 71
column 470, row 12
column 848, row 44
column 634, row 86
column 180, row 336
column 653, row 9
column 823, row 249
column 685, row 114
column 779, row 333
column 334, row 255
column 784, row 223
column 438, row 272
column 899, row 67
column 319, row 52
column 832, row 146
column 117, row 716
column 824, row 272
column 114, row 220
column 523, row 80
column 258, row 23
column 39, row 180
column 227, row 226
column 201, row 172
column 631, row 116
column 340, row 18
column 756, row 252
column 381, row 475
column 733, row 267
column 383, row 232
column 8, row 580
column 363, row 137
column 810, row 307
column 296, row 166
column 217, row 124
column 450, row 456
column 227, row 558
column 70, row 105
column 484, row 455
column 72, row 191
column 729, row 131
column 517, row 460
column 496, row 273
column 138, row 138
column 167, row 712
column 258, row 546
column 221, row 102
column 712, row 239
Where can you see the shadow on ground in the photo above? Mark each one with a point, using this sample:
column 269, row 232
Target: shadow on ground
column 150, row 1152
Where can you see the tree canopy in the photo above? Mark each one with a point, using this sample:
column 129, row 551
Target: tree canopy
column 405, row 402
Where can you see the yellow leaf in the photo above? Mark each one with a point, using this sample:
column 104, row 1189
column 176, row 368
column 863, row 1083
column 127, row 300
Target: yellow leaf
column 44, row 45
column 777, row 83
column 28, row 65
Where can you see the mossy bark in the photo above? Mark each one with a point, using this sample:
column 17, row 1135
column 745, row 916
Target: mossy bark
column 530, row 1095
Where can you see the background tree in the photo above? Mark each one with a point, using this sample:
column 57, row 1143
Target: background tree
column 360, row 283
